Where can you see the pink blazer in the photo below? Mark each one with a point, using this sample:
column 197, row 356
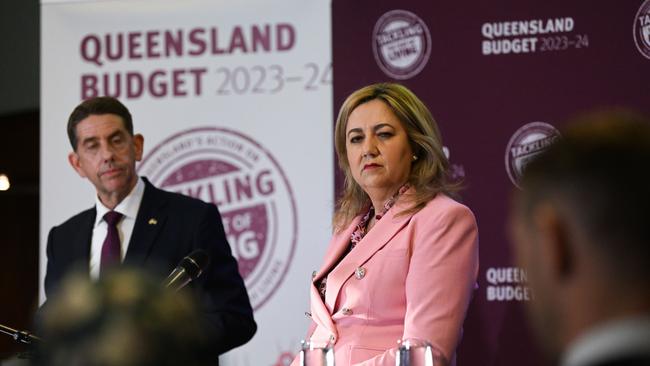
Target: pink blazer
column 410, row 277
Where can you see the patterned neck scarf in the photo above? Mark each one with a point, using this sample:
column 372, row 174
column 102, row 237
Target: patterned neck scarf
column 360, row 232
column 362, row 227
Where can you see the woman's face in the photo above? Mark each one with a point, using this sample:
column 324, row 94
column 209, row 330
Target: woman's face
column 378, row 150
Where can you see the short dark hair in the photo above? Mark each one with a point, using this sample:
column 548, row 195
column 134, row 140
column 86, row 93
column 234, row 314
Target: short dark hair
column 599, row 171
column 93, row 106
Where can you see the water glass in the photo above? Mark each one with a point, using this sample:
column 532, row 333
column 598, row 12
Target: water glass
column 313, row 354
column 416, row 352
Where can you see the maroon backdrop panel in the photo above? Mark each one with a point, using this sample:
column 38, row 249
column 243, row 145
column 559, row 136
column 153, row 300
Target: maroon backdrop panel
column 487, row 70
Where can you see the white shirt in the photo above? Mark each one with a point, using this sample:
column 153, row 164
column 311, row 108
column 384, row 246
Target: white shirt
column 129, row 209
column 615, row 339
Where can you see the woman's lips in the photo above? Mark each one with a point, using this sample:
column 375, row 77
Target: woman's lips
column 370, row 166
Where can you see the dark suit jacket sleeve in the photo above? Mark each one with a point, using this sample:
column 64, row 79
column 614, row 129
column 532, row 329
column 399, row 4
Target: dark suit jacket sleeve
column 67, row 249
column 52, row 275
column 221, row 289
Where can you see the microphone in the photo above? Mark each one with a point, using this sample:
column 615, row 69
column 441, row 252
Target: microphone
column 187, row 270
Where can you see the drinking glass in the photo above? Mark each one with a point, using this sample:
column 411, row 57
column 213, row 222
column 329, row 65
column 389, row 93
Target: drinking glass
column 314, row 354
column 417, row 352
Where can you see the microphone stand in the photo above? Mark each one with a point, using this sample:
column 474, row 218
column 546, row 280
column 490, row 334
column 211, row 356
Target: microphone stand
column 20, row 336
column 24, row 337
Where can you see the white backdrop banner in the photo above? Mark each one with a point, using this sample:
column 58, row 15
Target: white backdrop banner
column 234, row 100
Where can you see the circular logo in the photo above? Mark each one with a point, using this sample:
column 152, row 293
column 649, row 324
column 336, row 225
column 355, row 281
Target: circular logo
column 402, row 44
column 529, row 140
column 642, row 29
column 232, row 171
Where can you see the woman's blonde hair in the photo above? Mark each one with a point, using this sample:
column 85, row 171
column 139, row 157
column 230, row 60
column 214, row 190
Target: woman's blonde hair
column 428, row 174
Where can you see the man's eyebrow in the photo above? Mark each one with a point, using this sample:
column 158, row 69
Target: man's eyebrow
column 95, row 138
column 89, row 139
column 116, row 133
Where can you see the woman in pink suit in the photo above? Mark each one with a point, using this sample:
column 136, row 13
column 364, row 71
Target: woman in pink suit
column 404, row 257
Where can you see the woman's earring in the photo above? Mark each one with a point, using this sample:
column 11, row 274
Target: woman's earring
column 415, row 157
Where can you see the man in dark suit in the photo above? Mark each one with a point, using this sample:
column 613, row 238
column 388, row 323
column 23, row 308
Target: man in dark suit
column 581, row 229
column 136, row 224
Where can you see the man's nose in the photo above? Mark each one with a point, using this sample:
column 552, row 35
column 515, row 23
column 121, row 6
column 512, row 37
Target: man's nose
column 107, row 152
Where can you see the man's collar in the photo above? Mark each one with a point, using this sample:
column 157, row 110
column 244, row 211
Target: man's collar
column 614, row 339
column 128, row 207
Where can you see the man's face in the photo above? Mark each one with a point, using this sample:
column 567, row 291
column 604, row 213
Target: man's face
column 106, row 155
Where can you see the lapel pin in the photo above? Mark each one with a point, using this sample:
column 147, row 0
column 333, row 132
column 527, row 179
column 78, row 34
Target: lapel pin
column 153, row 221
column 360, row 273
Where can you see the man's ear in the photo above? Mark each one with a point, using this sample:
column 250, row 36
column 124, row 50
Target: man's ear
column 555, row 247
column 73, row 159
column 138, row 144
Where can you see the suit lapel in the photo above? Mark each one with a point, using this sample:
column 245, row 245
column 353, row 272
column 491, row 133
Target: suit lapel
column 338, row 246
column 81, row 242
column 319, row 312
column 148, row 224
column 374, row 240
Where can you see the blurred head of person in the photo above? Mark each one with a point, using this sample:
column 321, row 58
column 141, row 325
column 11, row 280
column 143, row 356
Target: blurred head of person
column 386, row 137
column 125, row 319
column 580, row 227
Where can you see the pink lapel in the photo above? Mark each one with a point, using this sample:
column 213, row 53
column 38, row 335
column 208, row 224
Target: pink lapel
column 374, row 240
column 338, row 245
column 319, row 313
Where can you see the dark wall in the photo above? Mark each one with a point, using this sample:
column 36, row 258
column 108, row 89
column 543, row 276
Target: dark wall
column 19, row 61
column 19, row 219
column 19, row 159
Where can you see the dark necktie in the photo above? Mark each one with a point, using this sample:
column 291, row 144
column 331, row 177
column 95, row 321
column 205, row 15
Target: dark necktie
column 111, row 247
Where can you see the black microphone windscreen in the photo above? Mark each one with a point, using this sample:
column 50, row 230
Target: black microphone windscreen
column 195, row 262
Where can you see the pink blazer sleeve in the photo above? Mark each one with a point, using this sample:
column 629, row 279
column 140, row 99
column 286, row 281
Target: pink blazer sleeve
column 441, row 278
